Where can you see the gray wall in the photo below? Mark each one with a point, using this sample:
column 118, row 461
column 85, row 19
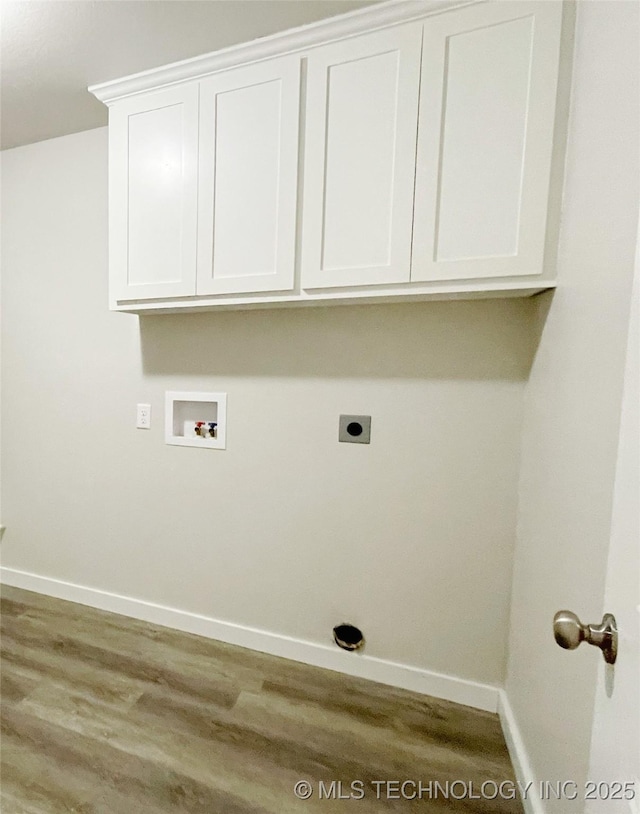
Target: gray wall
column 287, row 530
column 573, row 402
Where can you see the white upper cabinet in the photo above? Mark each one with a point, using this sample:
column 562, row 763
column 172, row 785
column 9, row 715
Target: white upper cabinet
column 401, row 151
column 249, row 122
column 487, row 111
column 153, row 188
column 360, row 141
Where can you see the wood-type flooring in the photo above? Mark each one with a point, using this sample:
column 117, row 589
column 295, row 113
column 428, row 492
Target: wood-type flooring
column 102, row 714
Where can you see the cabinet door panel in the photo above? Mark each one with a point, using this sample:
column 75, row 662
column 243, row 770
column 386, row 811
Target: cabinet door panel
column 153, row 194
column 488, row 97
column 362, row 102
column 249, row 122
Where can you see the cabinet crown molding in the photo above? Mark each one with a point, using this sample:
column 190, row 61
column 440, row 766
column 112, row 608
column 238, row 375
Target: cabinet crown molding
column 373, row 17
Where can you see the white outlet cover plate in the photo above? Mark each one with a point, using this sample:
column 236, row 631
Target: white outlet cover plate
column 143, row 417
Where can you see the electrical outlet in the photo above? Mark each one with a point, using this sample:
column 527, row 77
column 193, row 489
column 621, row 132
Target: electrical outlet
column 143, row 421
column 355, row 429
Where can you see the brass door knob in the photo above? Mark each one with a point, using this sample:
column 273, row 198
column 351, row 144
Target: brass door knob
column 569, row 632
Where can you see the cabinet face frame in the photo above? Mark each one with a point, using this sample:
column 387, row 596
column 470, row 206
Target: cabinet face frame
column 529, row 244
column 254, row 269
column 121, row 230
column 323, row 114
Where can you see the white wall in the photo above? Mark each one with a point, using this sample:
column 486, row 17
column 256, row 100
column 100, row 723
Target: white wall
column 615, row 741
column 573, row 403
column 1, row 526
column 287, row 530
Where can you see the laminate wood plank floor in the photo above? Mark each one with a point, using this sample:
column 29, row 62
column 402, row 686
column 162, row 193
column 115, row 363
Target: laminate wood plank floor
column 102, row 714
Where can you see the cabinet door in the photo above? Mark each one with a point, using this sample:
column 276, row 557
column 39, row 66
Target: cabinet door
column 487, row 108
column 249, row 122
column 360, row 140
column 153, row 156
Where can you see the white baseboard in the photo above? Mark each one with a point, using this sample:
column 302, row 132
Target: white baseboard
column 439, row 685
column 532, row 803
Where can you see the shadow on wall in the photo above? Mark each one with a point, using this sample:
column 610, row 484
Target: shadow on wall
column 470, row 340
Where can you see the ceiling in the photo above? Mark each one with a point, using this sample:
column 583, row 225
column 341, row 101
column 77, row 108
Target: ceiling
column 51, row 50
